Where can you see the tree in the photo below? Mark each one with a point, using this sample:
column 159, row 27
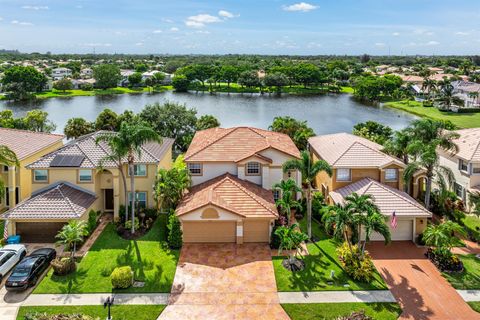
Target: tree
column 77, row 127
column 135, row 79
column 306, row 74
column 297, row 130
column 180, row 83
column 6, row 119
column 290, row 238
column 340, row 220
column 106, row 76
column 7, row 158
column 249, row 79
column 277, row 80
column 170, row 185
column 207, row 121
column 71, row 234
column 287, row 202
column 427, row 137
column 447, row 98
column 107, row 120
column 309, row 170
column 442, row 237
column 63, row 85
column 398, row 145
column 228, row 74
column 37, row 120
column 141, row 67
column 21, row 82
column 373, row 131
column 172, row 120
column 175, row 233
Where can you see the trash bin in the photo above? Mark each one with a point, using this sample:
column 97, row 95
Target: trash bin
column 13, row 239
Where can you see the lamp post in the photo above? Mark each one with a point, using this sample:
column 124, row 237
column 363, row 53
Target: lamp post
column 107, row 304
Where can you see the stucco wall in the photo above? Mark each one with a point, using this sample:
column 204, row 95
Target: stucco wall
column 214, row 169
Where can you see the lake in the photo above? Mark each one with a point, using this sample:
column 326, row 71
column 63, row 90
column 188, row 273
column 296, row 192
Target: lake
column 325, row 114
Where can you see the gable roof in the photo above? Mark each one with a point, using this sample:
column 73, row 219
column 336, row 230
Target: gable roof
column 236, row 144
column 387, row 199
column 468, row 144
column 93, row 153
column 350, row 151
column 232, row 194
column 26, row 143
column 61, row 200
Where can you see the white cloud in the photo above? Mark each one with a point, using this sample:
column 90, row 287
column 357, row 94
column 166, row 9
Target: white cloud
column 139, row 44
column 22, row 23
column 460, row 33
column 432, row 43
column 174, row 29
column 98, row 44
column 157, row 31
column 226, row 14
column 396, row 34
column 35, row 8
column 380, row 44
column 423, row 32
column 301, row 6
column 200, row 20
column 202, row 32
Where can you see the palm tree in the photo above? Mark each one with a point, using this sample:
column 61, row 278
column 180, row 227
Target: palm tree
column 359, row 206
column 7, row 158
column 170, row 185
column 287, row 202
column 309, row 170
column 340, row 220
column 474, row 96
column 447, row 99
column 474, row 202
column 398, row 147
column 428, row 136
column 442, row 236
column 71, row 234
column 375, row 222
column 429, row 85
column 290, row 238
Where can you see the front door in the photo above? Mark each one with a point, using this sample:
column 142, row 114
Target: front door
column 108, row 199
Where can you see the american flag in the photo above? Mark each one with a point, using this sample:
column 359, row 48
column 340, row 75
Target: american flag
column 393, row 221
column 5, row 230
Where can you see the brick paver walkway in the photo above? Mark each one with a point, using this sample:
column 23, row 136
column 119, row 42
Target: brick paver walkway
column 417, row 285
column 224, row 281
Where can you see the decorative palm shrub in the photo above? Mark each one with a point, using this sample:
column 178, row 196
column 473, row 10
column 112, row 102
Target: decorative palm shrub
column 290, row 239
column 72, row 234
column 128, row 224
column 175, row 234
column 122, row 277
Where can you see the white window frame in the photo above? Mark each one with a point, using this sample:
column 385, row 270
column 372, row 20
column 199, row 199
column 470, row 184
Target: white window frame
column 253, row 165
column 135, row 170
column 395, row 178
column 276, row 194
column 137, row 194
column 337, row 176
column 195, row 166
column 462, row 163
column 35, row 175
column 85, row 171
column 462, row 188
column 475, row 166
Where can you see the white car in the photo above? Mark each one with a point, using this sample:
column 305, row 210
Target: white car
column 10, row 255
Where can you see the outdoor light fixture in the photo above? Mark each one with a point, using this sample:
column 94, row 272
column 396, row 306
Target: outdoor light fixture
column 107, row 304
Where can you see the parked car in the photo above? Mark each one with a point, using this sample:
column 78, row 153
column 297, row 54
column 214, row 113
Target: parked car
column 27, row 272
column 10, row 255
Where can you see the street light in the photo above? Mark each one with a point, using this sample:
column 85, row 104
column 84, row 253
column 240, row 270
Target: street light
column 108, row 303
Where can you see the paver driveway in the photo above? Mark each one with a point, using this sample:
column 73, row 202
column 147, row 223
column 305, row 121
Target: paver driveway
column 224, row 281
column 417, row 284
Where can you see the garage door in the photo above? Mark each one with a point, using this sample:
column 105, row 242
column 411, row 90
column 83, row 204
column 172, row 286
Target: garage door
column 256, row 231
column 403, row 231
column 38, row 232
column 209, row 231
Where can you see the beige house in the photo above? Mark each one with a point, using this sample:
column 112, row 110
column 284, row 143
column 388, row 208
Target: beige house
column 360, row 166
column 233, row 172
column 71, row 175
column 465, row 164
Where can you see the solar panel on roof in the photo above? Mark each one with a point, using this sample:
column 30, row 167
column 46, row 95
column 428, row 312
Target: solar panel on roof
column 61, row 160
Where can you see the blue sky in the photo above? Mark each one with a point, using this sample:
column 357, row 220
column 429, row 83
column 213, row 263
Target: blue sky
column 246, row 26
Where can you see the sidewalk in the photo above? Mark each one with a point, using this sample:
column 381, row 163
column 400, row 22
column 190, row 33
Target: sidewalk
column 336, row 296
column 95, row 299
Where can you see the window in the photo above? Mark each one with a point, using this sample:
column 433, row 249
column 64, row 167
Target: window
column 343, row 175
column 476, row 170
column 276, row 194
column 5, row 168
column 195, row 169
column 391, row 174
column 140, row 170
column 84, row 175
column 7, row 196
column 253, row 169
column 459, row 191
column 141, row 199
column 40, row 175
column 462, row 165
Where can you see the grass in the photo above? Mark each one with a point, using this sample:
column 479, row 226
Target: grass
column 318, row 265
column 347, row 90
column 119, row 90
column 462, row 120
column 378, row 311
column 148, row 256
column 119, row 312
column 475, row 305
column 469, row 279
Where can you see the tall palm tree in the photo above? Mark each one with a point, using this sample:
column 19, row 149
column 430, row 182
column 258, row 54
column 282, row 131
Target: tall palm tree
column 430, row 86
column 170, row 185
column 375, row 222
column 71, row 234
column 129, row 141
column 7, row 158
column 359, row 206
column 428, row 136
column 287, row 201
column 340, row 220
column 442, row 236
column 309, row 170
column 447, row 99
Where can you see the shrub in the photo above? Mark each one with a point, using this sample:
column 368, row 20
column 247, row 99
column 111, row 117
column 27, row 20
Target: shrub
column 445, row 260
column 60, row 316
column 63, row 266
column 428, row 103
column 174, row 232
column 275, row 239
column 92, row 221
column 356, row 316
column 356, row 267
column 150, row 212
column 128, row 224
column 86, row 87
column 122, row 277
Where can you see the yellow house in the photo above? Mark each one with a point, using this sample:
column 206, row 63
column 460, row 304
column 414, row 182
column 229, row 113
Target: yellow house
column 29, row 146
column 67, row 183
column 360, row 166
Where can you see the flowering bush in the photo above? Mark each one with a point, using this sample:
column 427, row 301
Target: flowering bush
column 358, row 267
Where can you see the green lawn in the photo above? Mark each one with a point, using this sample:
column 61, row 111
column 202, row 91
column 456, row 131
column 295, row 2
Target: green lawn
column 472, row 224
column 347, row 90
column 324, row 311
column 462, row 120
column 151, row 261
column 475, row 305
column 470, row 277
column 318, row 264
column 119, row 90
column 119, row 312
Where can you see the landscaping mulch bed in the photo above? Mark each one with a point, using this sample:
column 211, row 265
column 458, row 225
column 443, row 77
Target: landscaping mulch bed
column 297, row 265
column 140, row 232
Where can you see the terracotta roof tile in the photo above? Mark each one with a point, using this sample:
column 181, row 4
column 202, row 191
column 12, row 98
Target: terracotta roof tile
column 236, row 144
column 232, row 194
column 25, row 143
column 469, row 144
column 386, row 198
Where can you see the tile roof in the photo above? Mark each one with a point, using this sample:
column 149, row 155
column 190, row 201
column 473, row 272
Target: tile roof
column 61, row 200
column 25, row 143
column 232, row 194
column 93, row 153
column 387, row 199
column 469, row 144
column 236, row 144
column 348, row 150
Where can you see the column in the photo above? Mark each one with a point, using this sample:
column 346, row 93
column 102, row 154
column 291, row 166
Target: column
column 12, row 186
column 239, row 231
column 116, row 196
column 266, row 177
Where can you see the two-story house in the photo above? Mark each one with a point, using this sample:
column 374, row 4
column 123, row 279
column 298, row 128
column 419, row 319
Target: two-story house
column 360, row 166
column 465, row 164
column 70, row 181
column 60, row 73
column 233, row 172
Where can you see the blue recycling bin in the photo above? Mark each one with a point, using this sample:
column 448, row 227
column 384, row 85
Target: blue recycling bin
column 13, row 239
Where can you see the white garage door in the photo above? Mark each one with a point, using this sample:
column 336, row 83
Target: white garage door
column 403, row 231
